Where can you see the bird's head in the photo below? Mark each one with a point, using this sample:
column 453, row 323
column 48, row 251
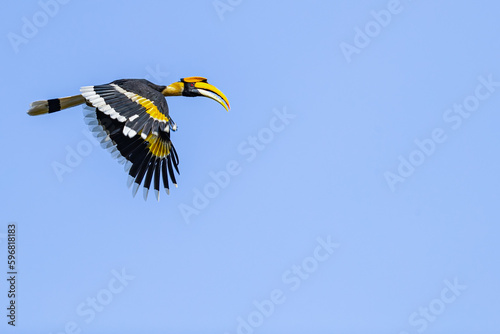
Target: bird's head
column 196, row 86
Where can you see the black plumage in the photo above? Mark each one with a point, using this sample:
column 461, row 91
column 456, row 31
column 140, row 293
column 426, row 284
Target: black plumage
column 130, row 118
column 150, row 150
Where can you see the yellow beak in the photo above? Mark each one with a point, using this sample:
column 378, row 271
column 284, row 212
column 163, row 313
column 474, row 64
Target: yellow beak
column 212, row 92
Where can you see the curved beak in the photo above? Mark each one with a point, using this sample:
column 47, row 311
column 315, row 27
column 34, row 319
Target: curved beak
column 196, row 86
column 208, row 90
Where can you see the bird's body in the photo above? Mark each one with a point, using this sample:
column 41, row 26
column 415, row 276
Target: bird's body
column 130, row 118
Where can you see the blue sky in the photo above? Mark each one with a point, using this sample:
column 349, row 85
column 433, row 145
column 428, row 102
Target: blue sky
column 352, row 188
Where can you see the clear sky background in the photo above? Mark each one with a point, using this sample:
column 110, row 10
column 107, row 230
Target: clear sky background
column 363, row 149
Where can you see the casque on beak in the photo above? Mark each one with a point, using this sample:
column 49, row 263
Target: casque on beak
column 196, row 86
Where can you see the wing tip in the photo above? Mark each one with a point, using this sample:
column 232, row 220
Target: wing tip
column 135, row 188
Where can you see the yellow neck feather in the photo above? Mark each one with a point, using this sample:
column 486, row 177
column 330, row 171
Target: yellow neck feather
column 174, row 89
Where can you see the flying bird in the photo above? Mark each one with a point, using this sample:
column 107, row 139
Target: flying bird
column 130, row 118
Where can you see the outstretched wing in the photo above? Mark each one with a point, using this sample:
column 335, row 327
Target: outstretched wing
column 137, row 103
column 136, row 130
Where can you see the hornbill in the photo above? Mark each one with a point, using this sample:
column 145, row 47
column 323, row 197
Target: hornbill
column 130, row 118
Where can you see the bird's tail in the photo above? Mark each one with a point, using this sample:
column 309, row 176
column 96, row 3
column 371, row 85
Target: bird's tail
column 53, row 105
